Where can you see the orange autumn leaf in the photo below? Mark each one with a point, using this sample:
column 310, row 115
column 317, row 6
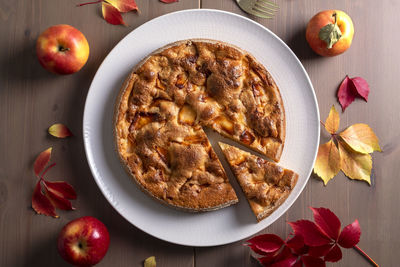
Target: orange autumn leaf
column 59, row 130
column 327, row 164
column 333, row 121
column 41, row 161
column 355, row 165
column 124, row 5
column 361, row 138
column 111, row 14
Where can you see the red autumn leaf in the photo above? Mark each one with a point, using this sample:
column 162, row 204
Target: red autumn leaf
column 267, row 243
column 296, row 242
column 124, row 5
column 319, row 251
column 111, row 14
column 41, row 204
column 361, row 86
column 58, row 201
column 327, row 221
column 169, row 1
column 310, row 261
column 350, row 235
column 63, row 189
column 288, row 262
column 349, row 89
column 59, row 130
column 310, row 232
column 41, row 161
column 334, row 255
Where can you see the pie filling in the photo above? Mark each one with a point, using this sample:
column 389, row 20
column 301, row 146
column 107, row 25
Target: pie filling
column 169, row 97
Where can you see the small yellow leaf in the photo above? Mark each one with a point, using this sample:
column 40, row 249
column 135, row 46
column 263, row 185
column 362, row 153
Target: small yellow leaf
column 327, row 164
column 355, row 165
column 361, row 138
column 333, row 120
column 150, row 262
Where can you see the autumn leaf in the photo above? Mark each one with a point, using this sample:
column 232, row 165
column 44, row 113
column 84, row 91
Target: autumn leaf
column 41, row 204
column 327, row 222
column 355, row 165
column 310, row 232
column 327, row 164
column 59, row 130
column 266, row 243
column 124, row 5
column 150, row 262
column 168, row 1
column 111, row 14
column 62, row 188
column 350, row 235
column 350, row 88
column 361, row 138
column 333, row 121
column 41, row 161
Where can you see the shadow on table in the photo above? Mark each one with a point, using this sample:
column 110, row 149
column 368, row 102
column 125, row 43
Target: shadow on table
column 300, row 47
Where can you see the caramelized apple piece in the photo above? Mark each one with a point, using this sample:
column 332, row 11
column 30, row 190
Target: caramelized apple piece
column 258, row 90
column 159, row 84
column 225, row 124
column 163, row 153
column 187, row 115
column 195, row 139
column 143, row 118
column 181, row 81
column 247, row 138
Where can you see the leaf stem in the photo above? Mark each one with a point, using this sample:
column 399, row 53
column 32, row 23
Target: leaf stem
column 359, row 250
column 47, row 168
column 89, row 3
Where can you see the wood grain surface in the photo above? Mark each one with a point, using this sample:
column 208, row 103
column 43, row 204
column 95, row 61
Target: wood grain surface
column 32, row 99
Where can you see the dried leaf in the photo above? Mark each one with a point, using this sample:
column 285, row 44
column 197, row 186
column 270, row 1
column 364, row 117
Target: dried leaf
column 361, row 138
column 111, row 14
column 58, row 201
column 150, row 262
column 169, row 1
column 41, row 161
column 41, row 204
column 350, row 235
column 355, row 165
column 333, row 120
column 63, row 189
column 123, row 5
column 350, row 89
column 327, row 164
column 310, row 261
column 361, row 86
column 59, row 130
column 334, row 255
column 327, row 221
column 310, row 232
column 267, row 242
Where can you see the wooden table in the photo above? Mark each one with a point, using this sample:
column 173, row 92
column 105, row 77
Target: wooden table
column 32, row 99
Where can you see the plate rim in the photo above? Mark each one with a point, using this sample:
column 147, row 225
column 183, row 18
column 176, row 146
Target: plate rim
column 91, row 163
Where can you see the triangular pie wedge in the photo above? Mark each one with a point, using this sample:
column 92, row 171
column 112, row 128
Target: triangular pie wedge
column 265, row 184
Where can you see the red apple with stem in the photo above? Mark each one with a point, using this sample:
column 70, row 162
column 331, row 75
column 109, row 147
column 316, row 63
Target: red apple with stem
column 62, row 49
column 83, row 241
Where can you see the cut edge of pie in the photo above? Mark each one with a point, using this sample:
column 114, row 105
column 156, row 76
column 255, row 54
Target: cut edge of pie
column 265, row 184
column 121, row 126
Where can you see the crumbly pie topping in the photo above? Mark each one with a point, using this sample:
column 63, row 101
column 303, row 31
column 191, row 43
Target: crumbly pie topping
column 265, row 184
column 171, row 95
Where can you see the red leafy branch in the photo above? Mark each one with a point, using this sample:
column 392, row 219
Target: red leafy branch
column 311, row 244
column 47, row 196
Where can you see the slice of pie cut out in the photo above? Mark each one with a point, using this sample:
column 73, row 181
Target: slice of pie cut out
column 265, row 184
column 167, row 99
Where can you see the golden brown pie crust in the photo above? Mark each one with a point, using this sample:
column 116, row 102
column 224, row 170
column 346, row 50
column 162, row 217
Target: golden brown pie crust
column 166, row 100
column 265, row 184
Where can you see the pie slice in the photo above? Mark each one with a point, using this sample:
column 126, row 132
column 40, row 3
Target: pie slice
column 265, row 184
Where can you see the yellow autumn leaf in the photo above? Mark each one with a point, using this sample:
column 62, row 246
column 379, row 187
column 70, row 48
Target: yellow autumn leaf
column 150, row 262
column 327, row 164
column 333, row 120
column 355, row 165
column 361, row 138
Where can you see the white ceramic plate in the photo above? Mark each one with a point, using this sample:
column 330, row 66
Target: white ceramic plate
column 229, row 224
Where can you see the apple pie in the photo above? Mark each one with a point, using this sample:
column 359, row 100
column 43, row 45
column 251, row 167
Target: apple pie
column 265, row 184
column 170, row 96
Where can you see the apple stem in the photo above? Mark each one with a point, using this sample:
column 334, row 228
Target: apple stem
column 89, row 3
column 359, row 250
column 334, row 15
column 46, row 170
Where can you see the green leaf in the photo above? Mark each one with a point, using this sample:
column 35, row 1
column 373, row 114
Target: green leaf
column 330, row 33
column 150, row 262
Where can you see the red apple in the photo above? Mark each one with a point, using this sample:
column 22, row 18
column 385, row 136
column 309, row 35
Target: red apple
column 62, row 49
column 83, row 241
